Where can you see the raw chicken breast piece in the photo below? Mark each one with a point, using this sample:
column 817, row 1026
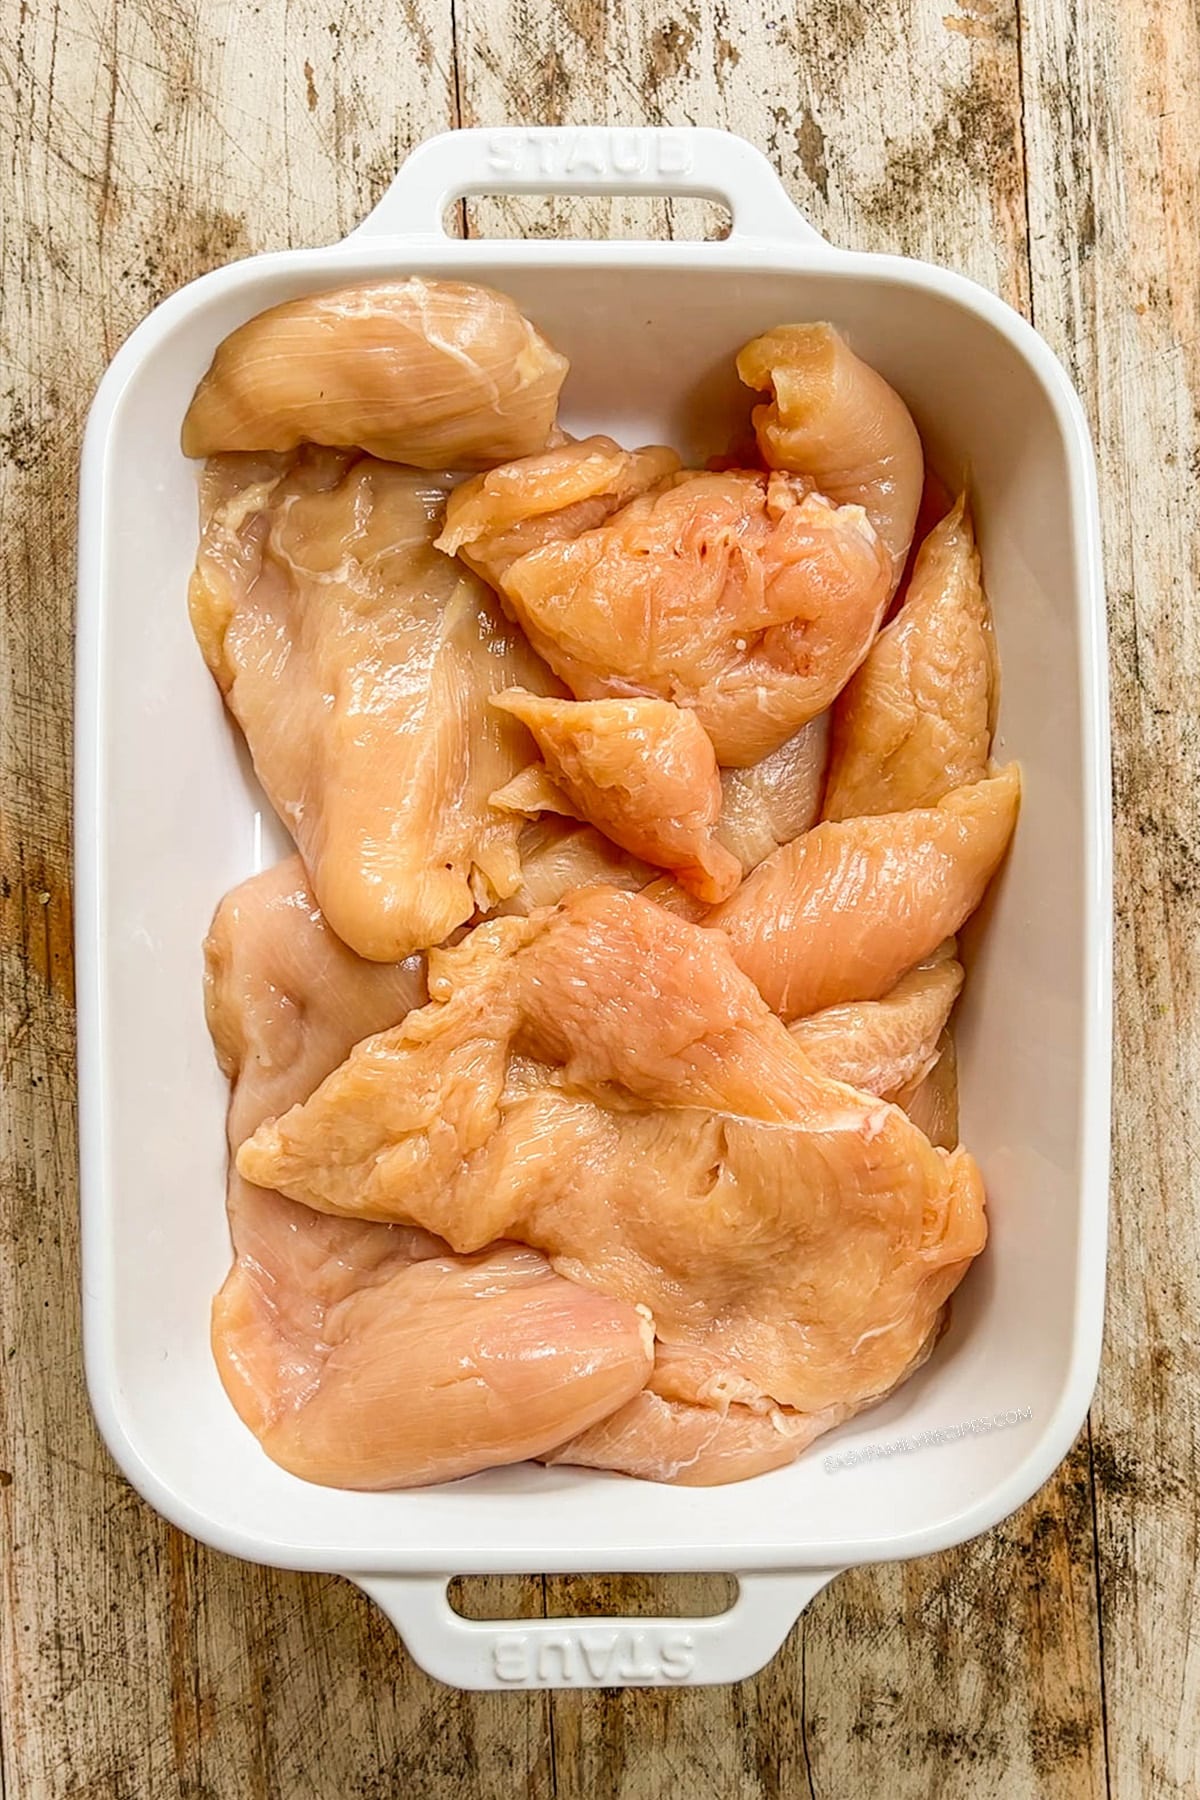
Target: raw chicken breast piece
column 366, row 1355
column 932, row 1102
column 559, row 856
column 833, row 418
column 284, row 998
column 915, row 721
column 495, row 518
column 886, row 1046
column 642, row 771
column 708, row 1441
column 775, row 800
column 602, row 1083
column 285, row 1002
column 691, row 1445
column 843, row 912
column 741, row 595
column 436, row 374
column 358, row 661
column 456, row 1364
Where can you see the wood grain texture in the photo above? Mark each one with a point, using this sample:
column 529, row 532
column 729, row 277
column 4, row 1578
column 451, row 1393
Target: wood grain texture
column 895, row 128
column 1049, row 152
column 146, row 144
column 1114, row 186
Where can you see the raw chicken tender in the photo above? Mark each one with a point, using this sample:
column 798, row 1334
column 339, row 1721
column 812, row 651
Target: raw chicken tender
column 843, row 912
column 742, row 595
column 558, row 856
column 433, row 373
column 833, row 418
column 932, row 1102
column 366, row 1355
column 643, row 772
column 775, row 800
column 495, row 518
column 358, row 661
column 886, row 1046
column 602, row 1083
column 915, row 721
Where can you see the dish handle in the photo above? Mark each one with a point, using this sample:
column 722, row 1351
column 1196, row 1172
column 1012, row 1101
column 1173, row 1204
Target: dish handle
column 693, row 161
column 599, row 1651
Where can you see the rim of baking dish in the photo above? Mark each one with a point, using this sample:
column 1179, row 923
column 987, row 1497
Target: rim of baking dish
column 433, row 254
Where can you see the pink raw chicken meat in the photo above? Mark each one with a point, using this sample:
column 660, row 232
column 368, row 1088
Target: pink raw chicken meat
column 437, row 374
column 367, row 1355
column 642, row 771
column 660, row 1437
column 592, row 1201
column 494, row 519
column 916, row 720
column 744, row 596
column 833, row 418
column 358, row 661
column 886, row 1046
column 602, row 1083
column 844, row 911
column 693, row 1444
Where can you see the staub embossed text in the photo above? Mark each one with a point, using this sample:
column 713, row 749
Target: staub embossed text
column 580, row 1656
column 610, row 155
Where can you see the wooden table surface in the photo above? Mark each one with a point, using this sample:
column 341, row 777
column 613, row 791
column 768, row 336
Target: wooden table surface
column 1051, row 151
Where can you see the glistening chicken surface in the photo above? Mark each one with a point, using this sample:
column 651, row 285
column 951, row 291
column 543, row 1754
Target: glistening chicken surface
column 593, row 1074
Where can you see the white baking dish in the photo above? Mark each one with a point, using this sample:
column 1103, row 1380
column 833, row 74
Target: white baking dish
column 168, row 816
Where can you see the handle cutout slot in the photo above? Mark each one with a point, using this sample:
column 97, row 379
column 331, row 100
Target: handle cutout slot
column 510, row 1597
column 584, row 218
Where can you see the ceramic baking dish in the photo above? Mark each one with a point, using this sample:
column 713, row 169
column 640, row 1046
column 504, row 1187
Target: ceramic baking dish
column 168, row 816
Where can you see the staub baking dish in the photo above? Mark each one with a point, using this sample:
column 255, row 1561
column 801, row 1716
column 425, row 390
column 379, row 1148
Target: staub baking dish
column 169, row 816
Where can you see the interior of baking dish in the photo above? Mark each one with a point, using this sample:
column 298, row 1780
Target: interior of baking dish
column 171, row 817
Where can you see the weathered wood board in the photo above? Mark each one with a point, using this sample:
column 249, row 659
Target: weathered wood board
column 1049, row 152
